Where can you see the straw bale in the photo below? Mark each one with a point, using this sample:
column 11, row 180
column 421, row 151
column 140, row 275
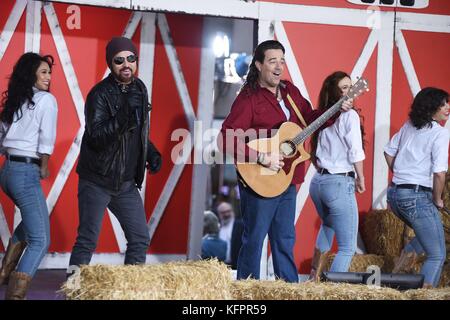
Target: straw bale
column 445, row 217
column 428, row 294
column 280, row 290
column 447, row 190
column 408, row 235
column 418, row 264
column 193, row 280
column 211, row 280
column 445, row 275
column 360, row 262
column 382, row 233
column 386, row 264
column 389, row 263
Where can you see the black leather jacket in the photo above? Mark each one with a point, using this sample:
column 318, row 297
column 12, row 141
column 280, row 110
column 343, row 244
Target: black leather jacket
column 106, row 136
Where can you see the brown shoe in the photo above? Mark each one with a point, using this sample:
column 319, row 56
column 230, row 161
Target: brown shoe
column 11, row 258
column 319, row 261
column 17, row 286
column 405, row 262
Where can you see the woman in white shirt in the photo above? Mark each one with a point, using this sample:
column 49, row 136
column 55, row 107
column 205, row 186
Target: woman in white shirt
column 337, row 152
column 418, row 157
column 27, row 137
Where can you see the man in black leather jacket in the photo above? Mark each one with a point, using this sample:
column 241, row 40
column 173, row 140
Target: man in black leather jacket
column 114, row 153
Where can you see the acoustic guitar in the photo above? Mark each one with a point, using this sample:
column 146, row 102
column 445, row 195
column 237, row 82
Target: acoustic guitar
column 288, row 141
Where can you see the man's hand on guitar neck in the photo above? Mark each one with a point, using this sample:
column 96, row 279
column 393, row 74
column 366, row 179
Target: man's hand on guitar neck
column 347, row 105
column 272, row 161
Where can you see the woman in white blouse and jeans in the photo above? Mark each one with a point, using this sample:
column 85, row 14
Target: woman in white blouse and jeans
column 337, row 152
column 418, row 157
column 27, row 137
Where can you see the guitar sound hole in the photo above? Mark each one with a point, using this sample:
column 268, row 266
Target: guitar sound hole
column 287, row 148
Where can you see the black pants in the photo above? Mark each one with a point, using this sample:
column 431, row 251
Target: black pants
column 126, row 204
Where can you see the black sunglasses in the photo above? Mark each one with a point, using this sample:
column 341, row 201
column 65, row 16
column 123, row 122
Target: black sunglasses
column 119, row 60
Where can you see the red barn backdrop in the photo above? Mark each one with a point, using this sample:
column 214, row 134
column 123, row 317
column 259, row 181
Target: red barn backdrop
column 166, row 52
column 399, row 50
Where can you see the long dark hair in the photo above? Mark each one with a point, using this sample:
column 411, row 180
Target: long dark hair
column 251, row 81
column 425, row 105
column 330, row 93
column 20, row 85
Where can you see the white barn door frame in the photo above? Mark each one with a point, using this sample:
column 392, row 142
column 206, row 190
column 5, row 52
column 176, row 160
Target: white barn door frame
column 270, row 16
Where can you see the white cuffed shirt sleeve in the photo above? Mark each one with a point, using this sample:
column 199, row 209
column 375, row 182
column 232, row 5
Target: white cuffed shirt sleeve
column 353, row 138
column 439, row 152
column 392, row 147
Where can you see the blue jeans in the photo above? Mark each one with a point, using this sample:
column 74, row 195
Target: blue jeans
column 417, row 210
column 334, row 198
column 126, row 204
column 21, row 182
column 272, row 216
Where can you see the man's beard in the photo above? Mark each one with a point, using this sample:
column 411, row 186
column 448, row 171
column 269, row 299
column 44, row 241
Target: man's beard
column 125, row 79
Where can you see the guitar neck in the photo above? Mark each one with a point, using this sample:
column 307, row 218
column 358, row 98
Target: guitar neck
column 313, row 127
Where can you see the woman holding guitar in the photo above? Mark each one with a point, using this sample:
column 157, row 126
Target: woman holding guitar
column 337, row 153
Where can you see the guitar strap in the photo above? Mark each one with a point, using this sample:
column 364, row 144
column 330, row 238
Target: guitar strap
column 297, row 111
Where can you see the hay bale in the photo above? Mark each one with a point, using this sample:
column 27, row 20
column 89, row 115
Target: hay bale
column 389, row 263
column 408, row 235
column 417, row 266
column 445, row 217
column 280, row 290
column 445, row 275
column 189, row 280
column 382, row 233
column 386, row 235
column 428, row 294
column 263, row 290
column 211, row 280
column 447, row 190
column 360, row 262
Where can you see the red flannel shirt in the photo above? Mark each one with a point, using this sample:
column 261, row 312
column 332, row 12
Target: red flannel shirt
column 259, row 109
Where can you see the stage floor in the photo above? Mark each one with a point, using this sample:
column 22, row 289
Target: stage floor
column 44, row 286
